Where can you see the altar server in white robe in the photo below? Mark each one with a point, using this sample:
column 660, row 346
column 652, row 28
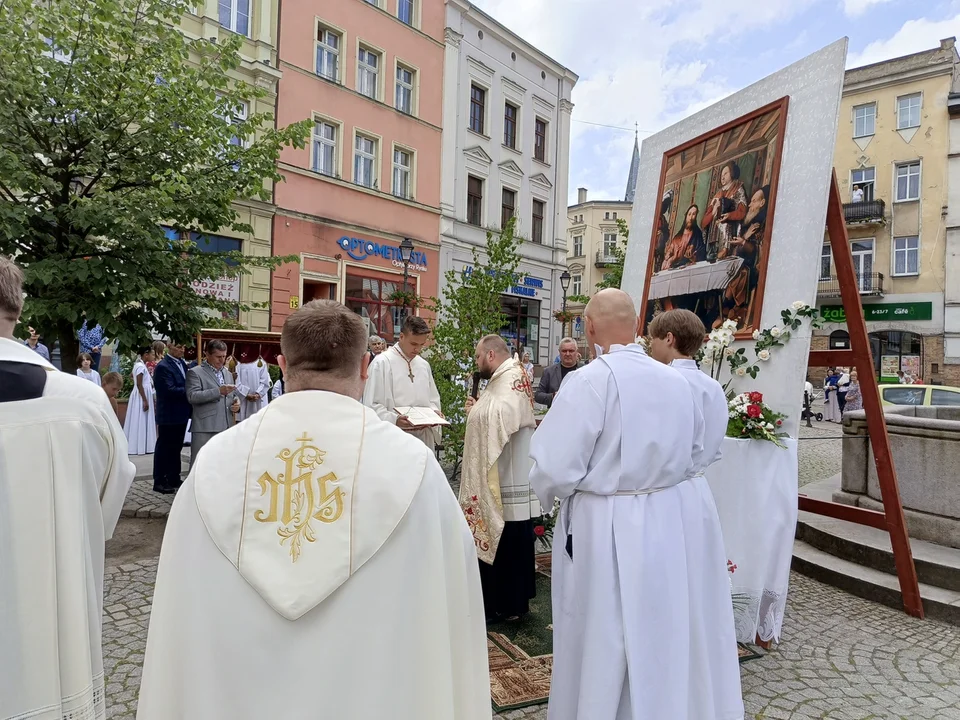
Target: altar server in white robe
column 316, row 563
column 399, row 378
column 495, row 481
column 64, row 474
column 255, row 378
column 643, row 626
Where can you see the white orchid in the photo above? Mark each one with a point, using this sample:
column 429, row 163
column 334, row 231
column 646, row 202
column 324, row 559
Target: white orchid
column 729, row 325
column 764, row 355
column 799, row 305
column 775, row 332
column 741, row 371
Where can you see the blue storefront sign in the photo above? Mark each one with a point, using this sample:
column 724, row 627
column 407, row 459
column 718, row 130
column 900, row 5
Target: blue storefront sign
column 360, row 249
column 526, row 286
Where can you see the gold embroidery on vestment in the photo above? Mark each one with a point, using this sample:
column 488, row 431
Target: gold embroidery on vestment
column 304, row 498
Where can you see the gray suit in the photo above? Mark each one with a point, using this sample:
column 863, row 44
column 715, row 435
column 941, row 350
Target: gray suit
column 211, row 410
column 550, row 383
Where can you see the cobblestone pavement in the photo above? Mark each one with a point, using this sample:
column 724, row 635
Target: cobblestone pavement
column 819, row 451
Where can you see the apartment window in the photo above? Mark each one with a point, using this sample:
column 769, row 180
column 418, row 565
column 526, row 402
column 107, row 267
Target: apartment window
column 908, row 182
column 405, row 10
column 576, row 285
column 328, row 54
column 614, row 216
column 235, row 15
column 478, row 101
column 537, row 226
column 402, row 168
column 606, row 216
column 906, row 256
column 578, row 245
column 234, row 115
column 865, row 179
column 510, row 125
column 368, row 72
column 404, row 89
column 863, row 263
column 609, row 244
column 325, row 148
column 365, row 162
column 508, row 206
column 474, row 200
column 825, row 262
column 540, row 140
column 864, row 120
column 908, row 111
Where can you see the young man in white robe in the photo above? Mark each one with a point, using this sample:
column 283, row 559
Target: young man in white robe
column 495, row 481
column 642, row 616
column 254, row 377
column 64, row 474
column 400, row 378
column 315, row 562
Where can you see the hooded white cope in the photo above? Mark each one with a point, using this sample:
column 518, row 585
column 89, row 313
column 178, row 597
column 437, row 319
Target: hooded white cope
column 316, row 564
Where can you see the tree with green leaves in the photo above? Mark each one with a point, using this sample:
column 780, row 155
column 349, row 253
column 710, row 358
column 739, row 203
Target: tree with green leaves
column 112, row 124
column 613, row 275
column 470, row 308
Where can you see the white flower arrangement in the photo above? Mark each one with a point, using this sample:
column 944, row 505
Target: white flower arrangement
column 775, row 332
column 764, row 355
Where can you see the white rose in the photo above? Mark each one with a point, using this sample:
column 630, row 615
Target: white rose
column 729, row 351
column 756, row 334
column 776, row 332
column 764, row 354
column 798, row 305
column 741, row 371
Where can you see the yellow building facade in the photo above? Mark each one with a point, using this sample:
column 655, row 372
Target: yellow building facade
column 891, row 160
column 256, row 22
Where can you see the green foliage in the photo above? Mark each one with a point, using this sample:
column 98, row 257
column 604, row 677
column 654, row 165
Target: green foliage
column 614, row 272
column 469, row 309
column 111, row 123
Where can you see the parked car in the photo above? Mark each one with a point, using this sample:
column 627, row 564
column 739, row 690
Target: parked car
column 919, row 395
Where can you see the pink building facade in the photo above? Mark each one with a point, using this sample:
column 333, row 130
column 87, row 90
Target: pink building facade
column 370, row 76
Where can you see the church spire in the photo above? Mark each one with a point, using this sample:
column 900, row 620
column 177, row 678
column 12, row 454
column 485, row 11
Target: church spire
column 634, row 169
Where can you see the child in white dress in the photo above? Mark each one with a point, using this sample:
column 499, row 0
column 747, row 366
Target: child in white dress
column 85, row 361
column 140, row 426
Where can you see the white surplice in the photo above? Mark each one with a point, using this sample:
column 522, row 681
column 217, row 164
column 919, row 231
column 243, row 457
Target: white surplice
column 389, row 386
column 255, row 379
column 642, row 612
column 356, row 596
column 64, row 474
column 712, row 403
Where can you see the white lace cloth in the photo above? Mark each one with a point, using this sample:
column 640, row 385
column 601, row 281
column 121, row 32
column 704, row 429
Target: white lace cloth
column 755, row 488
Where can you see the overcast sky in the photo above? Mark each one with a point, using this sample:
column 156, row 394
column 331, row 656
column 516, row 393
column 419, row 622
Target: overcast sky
column 654, row 62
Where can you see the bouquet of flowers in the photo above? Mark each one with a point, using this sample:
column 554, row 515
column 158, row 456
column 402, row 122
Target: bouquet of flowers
column 751, row 419
column 543, row 525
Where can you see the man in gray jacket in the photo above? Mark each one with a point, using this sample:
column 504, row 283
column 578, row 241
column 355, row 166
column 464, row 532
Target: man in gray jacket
column 213, row 396
column 554, row 375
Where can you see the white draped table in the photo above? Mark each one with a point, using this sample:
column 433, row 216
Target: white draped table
column 755, row 488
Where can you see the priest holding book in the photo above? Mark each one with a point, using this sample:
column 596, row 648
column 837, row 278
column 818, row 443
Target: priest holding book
column 400, row 379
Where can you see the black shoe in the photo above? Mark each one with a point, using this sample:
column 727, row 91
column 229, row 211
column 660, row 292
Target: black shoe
column 163, row 490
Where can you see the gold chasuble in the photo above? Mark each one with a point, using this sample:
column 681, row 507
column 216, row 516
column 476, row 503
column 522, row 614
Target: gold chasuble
column 505, row 407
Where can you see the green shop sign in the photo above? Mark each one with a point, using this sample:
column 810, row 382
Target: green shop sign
column 882, row 311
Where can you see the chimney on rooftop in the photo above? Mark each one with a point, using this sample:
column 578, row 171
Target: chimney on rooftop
column 581, row 196
column 948, row 43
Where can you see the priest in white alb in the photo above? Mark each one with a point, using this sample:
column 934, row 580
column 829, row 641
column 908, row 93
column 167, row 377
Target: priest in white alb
column 64, row 474
column 253, row 383
column 400, row 378
column 316, row 563
column 495, row 484
column 642, row 616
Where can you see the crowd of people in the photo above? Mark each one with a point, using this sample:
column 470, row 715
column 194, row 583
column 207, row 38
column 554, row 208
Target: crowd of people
column 316, row 558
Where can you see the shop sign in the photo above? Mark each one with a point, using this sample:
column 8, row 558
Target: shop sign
column 526, row 286
column 882, row 311
column 222, row 289
column 360, row 249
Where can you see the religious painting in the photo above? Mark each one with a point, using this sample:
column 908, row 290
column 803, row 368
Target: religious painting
column 711, row 234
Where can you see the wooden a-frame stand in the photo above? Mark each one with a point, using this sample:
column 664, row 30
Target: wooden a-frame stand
column 891, row 519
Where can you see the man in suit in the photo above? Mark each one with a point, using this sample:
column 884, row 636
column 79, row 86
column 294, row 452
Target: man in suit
column 173, row 413
column 211, row 392
column 554, row 375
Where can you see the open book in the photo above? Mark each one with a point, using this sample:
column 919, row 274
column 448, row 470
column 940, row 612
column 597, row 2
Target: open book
column 421, row 416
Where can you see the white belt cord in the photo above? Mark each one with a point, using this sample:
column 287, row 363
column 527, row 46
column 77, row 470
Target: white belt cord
column 645, row 491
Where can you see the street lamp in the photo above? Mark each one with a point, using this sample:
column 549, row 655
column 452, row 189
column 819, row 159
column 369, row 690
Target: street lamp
column 406, row 254
column 565, row 284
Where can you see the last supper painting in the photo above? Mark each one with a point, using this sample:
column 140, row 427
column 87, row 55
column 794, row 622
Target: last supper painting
column 711, row 236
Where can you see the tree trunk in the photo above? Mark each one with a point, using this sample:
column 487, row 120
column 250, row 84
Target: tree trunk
column 69, row 347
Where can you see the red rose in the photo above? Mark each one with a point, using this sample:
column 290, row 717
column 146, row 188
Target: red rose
column 469, row 511
column 756, row 397
column 539, row 531
column 754, row 411
column 779, row 423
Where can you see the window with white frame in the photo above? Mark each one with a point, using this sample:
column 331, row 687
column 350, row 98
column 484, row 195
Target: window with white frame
column 908, row 182
column 576, row 285
column 325, row 148
column 864, row 120
column 863, row 179
column 609, row 244
column 328, row 54
column 368, row 72
column 234, row 15
column 536, row 226
column 577, row 245
column 402, row 173
column 862, row 251
column 906, row 255
column 234, row 115
column 404, row 97
column 365, row 162
column 825, row 262
column 908, row 111
column 405, row 11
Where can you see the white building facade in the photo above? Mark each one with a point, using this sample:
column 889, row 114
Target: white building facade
column 506, row 151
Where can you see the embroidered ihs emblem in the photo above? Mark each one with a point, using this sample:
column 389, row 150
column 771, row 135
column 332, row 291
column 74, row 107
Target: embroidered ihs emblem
column 297, row 498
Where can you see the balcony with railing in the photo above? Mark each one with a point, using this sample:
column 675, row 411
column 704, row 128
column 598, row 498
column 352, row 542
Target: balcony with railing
column 869, row 284
column 604, row 259
column 867, row 212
